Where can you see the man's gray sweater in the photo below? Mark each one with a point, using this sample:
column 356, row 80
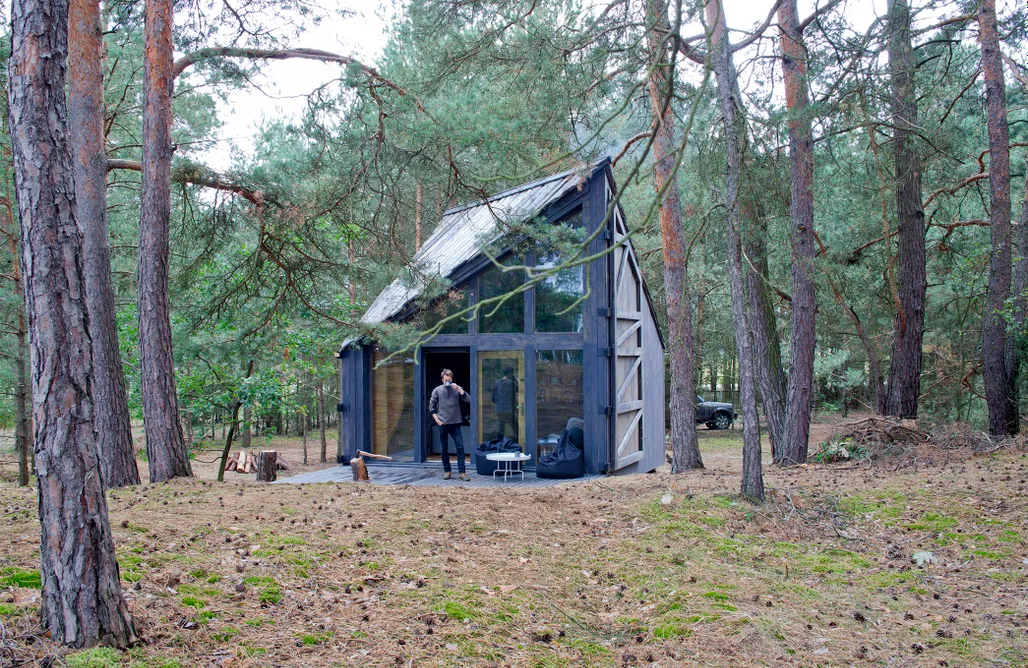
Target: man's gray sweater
column 445, row 403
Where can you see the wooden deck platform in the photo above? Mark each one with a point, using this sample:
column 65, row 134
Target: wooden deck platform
column 426, row 476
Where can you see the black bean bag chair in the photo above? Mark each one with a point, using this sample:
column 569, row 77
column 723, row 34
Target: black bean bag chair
column 485, row 467
column 567, row 459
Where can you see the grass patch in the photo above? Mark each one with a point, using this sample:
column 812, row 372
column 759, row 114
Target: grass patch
column 270, row 595
column 932, row 521
column 669, row 631
column 14, row 577
column 193, row 602
column 225, row 634
column 259, row 581
column 316, row 638
column 98, row 657
column 456, row 610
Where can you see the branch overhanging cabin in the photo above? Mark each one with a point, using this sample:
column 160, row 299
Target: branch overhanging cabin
column 602, row 361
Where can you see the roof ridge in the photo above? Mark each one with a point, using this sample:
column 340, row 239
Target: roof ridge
column 515, row 190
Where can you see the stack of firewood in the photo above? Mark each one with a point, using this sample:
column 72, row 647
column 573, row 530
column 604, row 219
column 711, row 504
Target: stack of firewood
column 242, row 461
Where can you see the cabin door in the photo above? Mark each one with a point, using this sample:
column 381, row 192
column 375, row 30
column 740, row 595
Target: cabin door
column 459, row 362
column 628, row 372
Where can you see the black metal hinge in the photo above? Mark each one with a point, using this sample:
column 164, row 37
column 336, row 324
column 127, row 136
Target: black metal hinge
column 607, row 352
column 606, row 410
column 603, row 311
column 340, row 408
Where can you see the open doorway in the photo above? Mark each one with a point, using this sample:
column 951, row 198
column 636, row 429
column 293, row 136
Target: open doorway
column 458, row 361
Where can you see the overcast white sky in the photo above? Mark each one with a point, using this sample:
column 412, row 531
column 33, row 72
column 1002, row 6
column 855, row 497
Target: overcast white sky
column 285, row 83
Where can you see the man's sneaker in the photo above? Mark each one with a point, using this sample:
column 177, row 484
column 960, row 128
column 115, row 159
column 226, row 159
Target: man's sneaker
column 447, row 475
column 464, row 477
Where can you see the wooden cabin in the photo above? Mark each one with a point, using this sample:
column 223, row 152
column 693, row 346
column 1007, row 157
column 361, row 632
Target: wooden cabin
column 601, row 360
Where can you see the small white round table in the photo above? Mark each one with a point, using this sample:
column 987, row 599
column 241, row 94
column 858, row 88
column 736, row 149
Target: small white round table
column 508, row 463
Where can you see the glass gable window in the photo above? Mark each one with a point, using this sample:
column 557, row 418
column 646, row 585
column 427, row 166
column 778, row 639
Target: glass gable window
column 447, row 305
column 555, row 297
column 558, row 394
column 509, row 317
column 556, row 309
column 392, row 406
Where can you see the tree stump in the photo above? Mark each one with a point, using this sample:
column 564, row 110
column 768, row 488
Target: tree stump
column 266, row 466
column 360, row 469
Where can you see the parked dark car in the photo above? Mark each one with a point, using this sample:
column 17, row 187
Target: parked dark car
column 714, row 414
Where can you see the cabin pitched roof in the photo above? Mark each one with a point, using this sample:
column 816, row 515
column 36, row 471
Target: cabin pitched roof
column 465, row 230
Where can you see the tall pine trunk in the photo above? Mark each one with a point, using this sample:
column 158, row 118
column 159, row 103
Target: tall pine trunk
column 86, row 136
column 1017, row 340
column 904, row 386
column 21, row 355
column 685, row 450
column 728, row 95
column 321, row 421
column 22, row 433
column 801, row 222
column 767, row 347
column 1003, row 419
column 165, row 447
column 247, row 426
column 81, row 600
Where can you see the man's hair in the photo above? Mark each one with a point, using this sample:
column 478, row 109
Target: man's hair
column 509, row 371
column 446, row 372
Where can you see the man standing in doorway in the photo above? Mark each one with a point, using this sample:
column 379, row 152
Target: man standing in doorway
column 505, row 396
column 446, row 411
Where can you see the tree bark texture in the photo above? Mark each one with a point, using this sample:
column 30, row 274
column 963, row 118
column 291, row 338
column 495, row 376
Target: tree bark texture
column 767, row 347
column 1017, row 337
column 267, row 461
column 165, row 447
column 684, row 447
column 247, row 426
column 111, row 420
column 801, row 221
column 728, row 95
column 321, row 421
column 81, row 598
column 1003, row 419
column 419, row 231
column 904, row 386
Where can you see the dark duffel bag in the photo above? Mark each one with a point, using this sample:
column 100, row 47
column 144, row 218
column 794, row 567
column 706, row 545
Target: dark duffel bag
column 485, row 467
column 567, row 459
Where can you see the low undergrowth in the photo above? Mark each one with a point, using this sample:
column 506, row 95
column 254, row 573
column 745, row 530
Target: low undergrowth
column 674, row 570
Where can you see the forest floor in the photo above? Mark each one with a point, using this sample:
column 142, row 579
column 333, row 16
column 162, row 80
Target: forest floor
column 635, row 570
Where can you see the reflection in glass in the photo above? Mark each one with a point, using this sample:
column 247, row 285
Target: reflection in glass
column 501, row 395
column 555, row 296
column 449, row 304
column 392, row 406
column 509, row 318
column 558, row 394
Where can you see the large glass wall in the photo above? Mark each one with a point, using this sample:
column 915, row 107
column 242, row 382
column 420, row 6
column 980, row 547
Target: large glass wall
column 501, row 395
column 508, row 318
column 558, row 394
column 557, row 298
column 454, row 302
column 392, row 407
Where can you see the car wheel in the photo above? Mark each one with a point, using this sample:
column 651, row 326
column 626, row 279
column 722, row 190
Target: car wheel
column 722, row 421
column 711, row 425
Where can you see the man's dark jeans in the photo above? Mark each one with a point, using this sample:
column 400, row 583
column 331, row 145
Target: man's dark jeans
column 445, row 431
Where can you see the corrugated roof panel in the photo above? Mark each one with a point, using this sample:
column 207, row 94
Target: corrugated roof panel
column 464, row 231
